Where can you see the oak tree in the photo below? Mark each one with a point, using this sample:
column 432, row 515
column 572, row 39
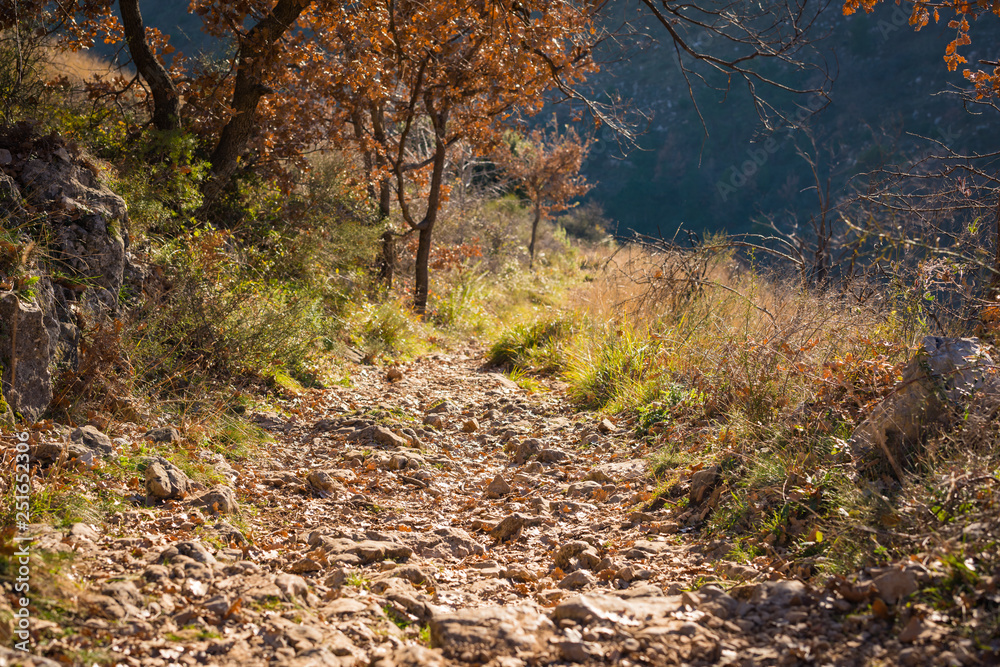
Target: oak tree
column 415, row 79
column 546, row 165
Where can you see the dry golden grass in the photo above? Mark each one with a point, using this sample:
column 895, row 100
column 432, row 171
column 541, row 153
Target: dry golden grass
column 78, row 66
column 719, row 363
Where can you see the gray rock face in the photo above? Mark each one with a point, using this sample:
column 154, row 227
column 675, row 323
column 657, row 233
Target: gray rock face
column 25, row 353
column 85, row 225
column 88, row 236
column 164, row 480
column 939, row 380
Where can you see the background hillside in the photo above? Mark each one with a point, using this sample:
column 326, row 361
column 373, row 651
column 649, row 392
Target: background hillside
column 884, row 107
column 882, row 100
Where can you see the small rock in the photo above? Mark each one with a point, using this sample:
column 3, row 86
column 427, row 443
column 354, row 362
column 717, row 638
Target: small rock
column 470, row 426
column 125, row 592
column 583, row 489
column 83, row 531
column 336, row 578
column 526, row 450
column 510, row 528
column 91, row 438
column 497, row 488
column 577, row 651
column 81, row 455
column 413, row 574
column 519, row 573
column 577, row 555
column 194, row 550
column 292, row 586
column 737, row 571
column 446, row 542
column 384, row 436
column 552, row 456
column 411, row 656
column 221, row 499
column 914, row 629
column 5, row 157
column 398, row 462
column 441, row 408
column 576, row 580
column 597, row 475
column 323, row 482
column 479, row 635
column 164, row 480
column 194, row 588
column 434, row 421
column 606, row 426
column 218, row 605
column 303, row 565
column 46, row 452
column 162, row 435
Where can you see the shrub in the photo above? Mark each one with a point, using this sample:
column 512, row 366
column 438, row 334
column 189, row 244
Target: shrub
column 536, row 346
column 214, row 316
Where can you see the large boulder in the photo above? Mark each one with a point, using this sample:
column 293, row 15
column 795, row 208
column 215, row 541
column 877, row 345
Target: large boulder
column 85, row 264
column 937, row 383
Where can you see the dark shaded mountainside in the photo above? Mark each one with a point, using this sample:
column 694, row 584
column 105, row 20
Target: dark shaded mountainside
column 884, row 98
column 885, row 106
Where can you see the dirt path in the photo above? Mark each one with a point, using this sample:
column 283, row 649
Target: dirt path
column 446, row 517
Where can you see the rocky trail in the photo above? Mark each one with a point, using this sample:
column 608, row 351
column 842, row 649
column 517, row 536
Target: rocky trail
column 441, row 515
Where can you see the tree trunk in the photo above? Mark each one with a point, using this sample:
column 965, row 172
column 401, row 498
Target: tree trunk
column 378, row 191
column 387, row 262
column 422, row 279
column 534, row 235
column 166, row 101
column 251, row 67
